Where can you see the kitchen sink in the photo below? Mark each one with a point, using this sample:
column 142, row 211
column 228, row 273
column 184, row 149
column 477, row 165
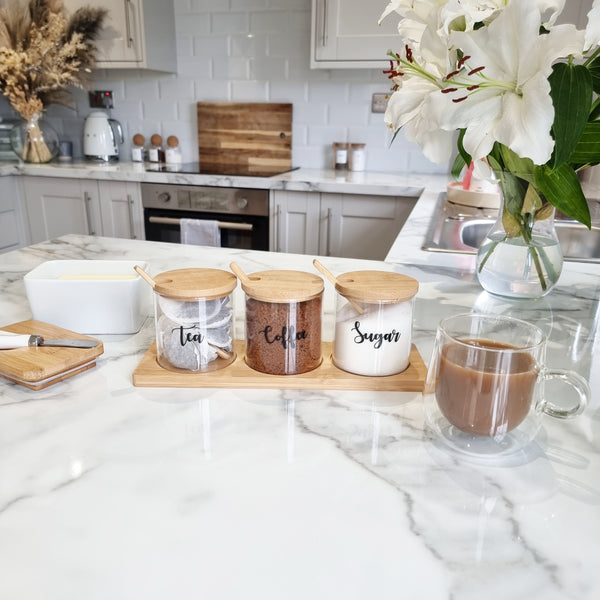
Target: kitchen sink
column 461, row 229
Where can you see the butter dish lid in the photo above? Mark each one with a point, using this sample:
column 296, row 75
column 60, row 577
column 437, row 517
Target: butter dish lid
column 377, row 286
column 283, row 286
column 193, row 284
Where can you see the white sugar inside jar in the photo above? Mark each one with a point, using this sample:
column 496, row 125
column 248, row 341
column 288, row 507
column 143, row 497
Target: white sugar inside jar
column 374, row 322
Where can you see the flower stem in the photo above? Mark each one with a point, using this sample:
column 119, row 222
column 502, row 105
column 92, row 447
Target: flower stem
column 526, row 231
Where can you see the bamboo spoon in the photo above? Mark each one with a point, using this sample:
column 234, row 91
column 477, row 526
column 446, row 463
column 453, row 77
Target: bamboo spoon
column 322, row 269
column 240, row 274
column 220, row 352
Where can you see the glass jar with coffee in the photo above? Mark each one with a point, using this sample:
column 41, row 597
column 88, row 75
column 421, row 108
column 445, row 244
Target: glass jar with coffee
column 283, row 320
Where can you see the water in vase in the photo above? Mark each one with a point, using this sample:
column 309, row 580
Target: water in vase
column 517, row 270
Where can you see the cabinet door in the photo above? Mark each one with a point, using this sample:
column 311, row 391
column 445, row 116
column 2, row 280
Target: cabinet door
column 359, row 226
column 12, row 223
column 346, row 33
column 294, row 222
column 121, row 37
column 58, row 206
column 121, row 208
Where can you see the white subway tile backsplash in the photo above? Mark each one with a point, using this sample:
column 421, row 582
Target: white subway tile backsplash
column 229, row 23
column 248, row 51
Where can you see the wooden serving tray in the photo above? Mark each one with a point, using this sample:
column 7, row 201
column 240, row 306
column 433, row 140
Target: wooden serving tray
column 239, row 375
column 39, row 367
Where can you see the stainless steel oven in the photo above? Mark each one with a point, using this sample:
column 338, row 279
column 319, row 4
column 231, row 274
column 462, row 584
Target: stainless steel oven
column 242, row 214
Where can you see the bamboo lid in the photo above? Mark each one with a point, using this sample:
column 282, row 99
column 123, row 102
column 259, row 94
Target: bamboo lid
column 377, row 286
column 283, row 286
column 192, row 284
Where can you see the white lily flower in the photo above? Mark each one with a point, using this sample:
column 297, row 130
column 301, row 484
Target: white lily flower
column 422, row 11
column 462, row 15
column 415, row 106
column 592, row 31
column 510, row 64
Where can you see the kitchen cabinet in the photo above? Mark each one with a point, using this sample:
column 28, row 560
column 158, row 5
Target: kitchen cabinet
column 294, row 222
column 344, row 225
column 136, row 34
column 346, row 34
column 121, row 209
column 12, row 226
column 57, row 206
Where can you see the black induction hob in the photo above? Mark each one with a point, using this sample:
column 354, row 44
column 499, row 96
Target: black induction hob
column 195, row 169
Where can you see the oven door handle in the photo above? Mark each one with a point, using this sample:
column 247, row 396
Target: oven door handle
column 222, row 224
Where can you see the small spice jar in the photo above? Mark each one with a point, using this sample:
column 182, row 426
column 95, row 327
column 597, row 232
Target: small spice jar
column 156, row 152
column 283, row 321
column 373, row 326
column 137, row 148
column 172, row 152
column 358, row 157
column 194, row 318
column 340, row 155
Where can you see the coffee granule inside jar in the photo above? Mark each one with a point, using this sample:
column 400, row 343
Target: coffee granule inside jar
column 283, row 338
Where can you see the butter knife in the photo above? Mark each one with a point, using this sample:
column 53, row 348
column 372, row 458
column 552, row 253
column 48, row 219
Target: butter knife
column 23, row 340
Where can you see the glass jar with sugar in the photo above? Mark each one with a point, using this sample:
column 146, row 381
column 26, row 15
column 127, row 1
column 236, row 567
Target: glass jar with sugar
column 373, row 327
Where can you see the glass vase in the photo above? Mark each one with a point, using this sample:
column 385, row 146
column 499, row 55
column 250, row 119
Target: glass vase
column 34, row 140
column 521, row 255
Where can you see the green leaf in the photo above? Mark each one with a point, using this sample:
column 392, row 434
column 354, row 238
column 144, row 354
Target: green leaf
column 532, row 201
column 595, row 112
column 587, row 150
column 562, row 189
column 523, row 167
column 461, row 149
column 571, row 92
column 513, row 191
column 595, row 73
column 457, row 167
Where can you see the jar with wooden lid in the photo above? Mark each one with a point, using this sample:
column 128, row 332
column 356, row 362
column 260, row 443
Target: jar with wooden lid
column 283, row 321
column 373, row 328
column 172, row 152
column 194, row 319
column 156, row 152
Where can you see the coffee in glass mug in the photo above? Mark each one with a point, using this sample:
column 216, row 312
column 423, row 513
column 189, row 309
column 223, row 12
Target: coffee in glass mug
column 484, row 382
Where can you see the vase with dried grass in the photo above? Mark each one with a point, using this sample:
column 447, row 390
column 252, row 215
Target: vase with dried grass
column 43, row 51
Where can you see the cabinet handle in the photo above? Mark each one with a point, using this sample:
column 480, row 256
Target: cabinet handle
column 324, row 31
column 128, row 23
column 130, row 211
column 277, row 225
column 88, row 216
column 328, row 245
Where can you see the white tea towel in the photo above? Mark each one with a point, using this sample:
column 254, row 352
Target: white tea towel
column 200, row 232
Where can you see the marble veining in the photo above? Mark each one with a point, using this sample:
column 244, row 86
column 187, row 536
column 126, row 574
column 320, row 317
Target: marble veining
column 112, row 491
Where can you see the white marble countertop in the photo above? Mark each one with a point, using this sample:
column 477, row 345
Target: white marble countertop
column 321, row 180
column 113, row 491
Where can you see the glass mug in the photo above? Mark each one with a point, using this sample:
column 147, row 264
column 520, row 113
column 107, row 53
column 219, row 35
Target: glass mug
column 484, row 392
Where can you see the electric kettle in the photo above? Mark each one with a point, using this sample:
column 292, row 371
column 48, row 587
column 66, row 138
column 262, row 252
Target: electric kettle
column 100, row 142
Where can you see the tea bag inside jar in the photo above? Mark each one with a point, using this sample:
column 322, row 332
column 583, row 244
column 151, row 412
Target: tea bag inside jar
column 194, row 319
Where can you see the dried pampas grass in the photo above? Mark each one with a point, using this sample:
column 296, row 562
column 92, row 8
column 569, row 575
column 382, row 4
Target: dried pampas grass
column 42, row 52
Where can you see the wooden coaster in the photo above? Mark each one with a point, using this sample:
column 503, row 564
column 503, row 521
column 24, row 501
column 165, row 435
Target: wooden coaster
column 239, row 375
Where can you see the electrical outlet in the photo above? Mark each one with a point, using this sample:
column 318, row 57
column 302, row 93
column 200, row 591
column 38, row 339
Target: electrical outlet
column 379, row 103
column 101, row 99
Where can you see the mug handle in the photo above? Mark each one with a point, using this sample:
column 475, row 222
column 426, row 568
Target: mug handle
column 578, row 383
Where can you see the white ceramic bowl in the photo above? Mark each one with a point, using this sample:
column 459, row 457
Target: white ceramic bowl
column 89, row 296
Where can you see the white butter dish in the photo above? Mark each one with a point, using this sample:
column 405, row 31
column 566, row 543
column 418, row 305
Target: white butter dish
column 89, row 296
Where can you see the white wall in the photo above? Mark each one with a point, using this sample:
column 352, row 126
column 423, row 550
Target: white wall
column 249, row 50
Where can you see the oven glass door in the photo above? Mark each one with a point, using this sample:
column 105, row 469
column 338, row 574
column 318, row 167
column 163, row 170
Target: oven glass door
column 162, row 226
